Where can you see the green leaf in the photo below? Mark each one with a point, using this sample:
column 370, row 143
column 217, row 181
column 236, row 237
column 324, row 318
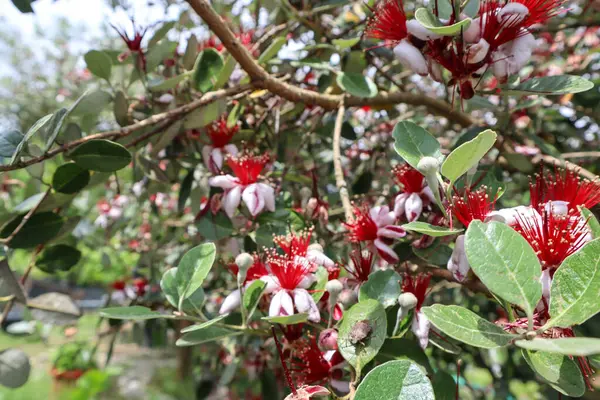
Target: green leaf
column 92, row 103
column 206, row 70
column 158, row 53
column 466, row 326
column 54, row 126
column 70, row 178
column 413, row 143
column 167, row 84
column 215, row 227
column 161, row 33
column 203, row 116
column 136, row 313
column 404, row 349
column 14, row 368
column 203, row 325
column 550, row 85
column 9, row 286
column 60, row 257
column 592, row 221
column 444, row 385
column 193, row 268
column 23, row 5
column 569, row 346
column 185, row 190
column 356, row 84
column 40, row 123
column 252, row 296
column 505, row 263
column 225, row 73
column 9, row 141
column 40, row 228
column 575, row 287
column 287, row 319
column 359, row 353
column 342, row 44
column 271, row 51
column 430, row 230
column 438, row 254
column 209, row 334
column 169, row 285
column 559, row 371
column 121, row 108
column 318, row 288
column 383, row 286
column 432, row 23
column 191, row 51
column 400, row 379
column 467, row 155
column 101, row 155
column 99, row 63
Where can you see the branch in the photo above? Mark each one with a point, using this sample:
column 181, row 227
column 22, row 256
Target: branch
column 207, row 98
column 14, row 233
column 340, row 182
column 570, row 166
column 299, row 95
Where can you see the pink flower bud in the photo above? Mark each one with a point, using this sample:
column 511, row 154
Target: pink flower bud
column 328, row 340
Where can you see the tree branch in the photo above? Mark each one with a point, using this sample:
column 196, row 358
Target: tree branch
column 340, row 182
column 207, row 98
column 300, row 95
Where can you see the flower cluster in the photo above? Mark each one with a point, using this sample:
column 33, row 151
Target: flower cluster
column 499, row 38
column 110, row 210
column 220, row 135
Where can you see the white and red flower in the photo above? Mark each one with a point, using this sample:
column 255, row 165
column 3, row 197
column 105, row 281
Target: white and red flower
column 258, row 270
column 245, row 185
column 418, row 286
column 415, row 193
column 220, row 136
column 376, row 228
column 563, row 185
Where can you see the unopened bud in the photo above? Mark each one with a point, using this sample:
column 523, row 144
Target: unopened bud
column 328, row 340
column 407, row 301
column 348, row 298
column 334, row 287
column 530, row 335
column 428, row 165
column 244, row 261
column 316, row 247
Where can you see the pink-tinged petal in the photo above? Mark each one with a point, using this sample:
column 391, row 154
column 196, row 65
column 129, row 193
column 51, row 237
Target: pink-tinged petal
column 275, row 305
column 287, row 304
column 231, row 149
column 411, row 57
column 216, row 158
column 420, row 327
column 413, row 207
column 319, row 258
column 313, row 313
column 316, row 390
column 415, row 28
column 340, row 386
column 399, row 204
column 391, row 231
column 253, row 199
column 375, row 213
column 546, row 281
column 231, row 302
column 231, row 201
column 386, row 252
column 223, row 181
column 268, row 194
column 302, row 300
column 307, row 392
column 428, row 194
column 272, row 283
column 338, row 313
column 458, row 263
column 307, row 281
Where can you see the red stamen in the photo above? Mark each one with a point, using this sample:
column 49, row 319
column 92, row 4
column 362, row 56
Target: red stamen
column 411, row 180
column 363, row 228
column 564, row 185
column 473, row 205
column 388, row 22
column 246, row 167
column 416, row 285
column 289, row 271
column 220, row 134
column 362, row 265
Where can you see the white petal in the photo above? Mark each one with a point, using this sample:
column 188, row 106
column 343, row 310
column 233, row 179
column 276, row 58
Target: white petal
column 206, row 150
column 458, row 263
column 478, row 51
column 231, row 149
column 281, row 304
column 413, row 207
column 216, row 156
column 415, row 28
column 268, row 194
column 231, row 200
column 386, row 252
column 473, row 33
column 411, row 57
column 231, row 302
column 557, row 207
column 223, row 181
column 427, row 192
column 272, row 283
column 340, row 386
column 420, row 327
column 253, row 199
column 307, row 281
column 399, row 204
column 302, row 300
column 391, row 231
column 500, row 65
column 275, row 305
column 319, row 258
column 313, row 314
column 546, row 282
column 514, row 12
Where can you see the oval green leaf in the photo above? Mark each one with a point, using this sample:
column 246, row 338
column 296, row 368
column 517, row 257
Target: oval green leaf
column 252, row 296
column 466, row 326
column 559, row 371
column 575, row 287
column 383, row 286
column 203, row 325
column 99, row 63
column 209, row 334
column 356, row 84
column 287, row 319
column 359, row 354
column 136, row 313
column 193, row 269
column 40, row 228
column 206, row 70
column 60, row 257
column 429, row 229
column 413, row 143
column 569, row 346
column 467, row 155
column 70, row 178
column 592, row 221
column 271, row 51
column 432, row 23
column 400, row 379
column 101, row 155
column 505, row 263
column 549, row 85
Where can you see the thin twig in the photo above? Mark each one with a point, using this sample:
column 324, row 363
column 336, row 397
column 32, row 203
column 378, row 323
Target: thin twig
column 340, row 182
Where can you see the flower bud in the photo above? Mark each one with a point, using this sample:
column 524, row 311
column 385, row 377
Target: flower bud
column 348, row 298
column 244, row 261
column 328, row 340
column 428, row 165
column 407, row 301
column 334, row 287
column 315, row 247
